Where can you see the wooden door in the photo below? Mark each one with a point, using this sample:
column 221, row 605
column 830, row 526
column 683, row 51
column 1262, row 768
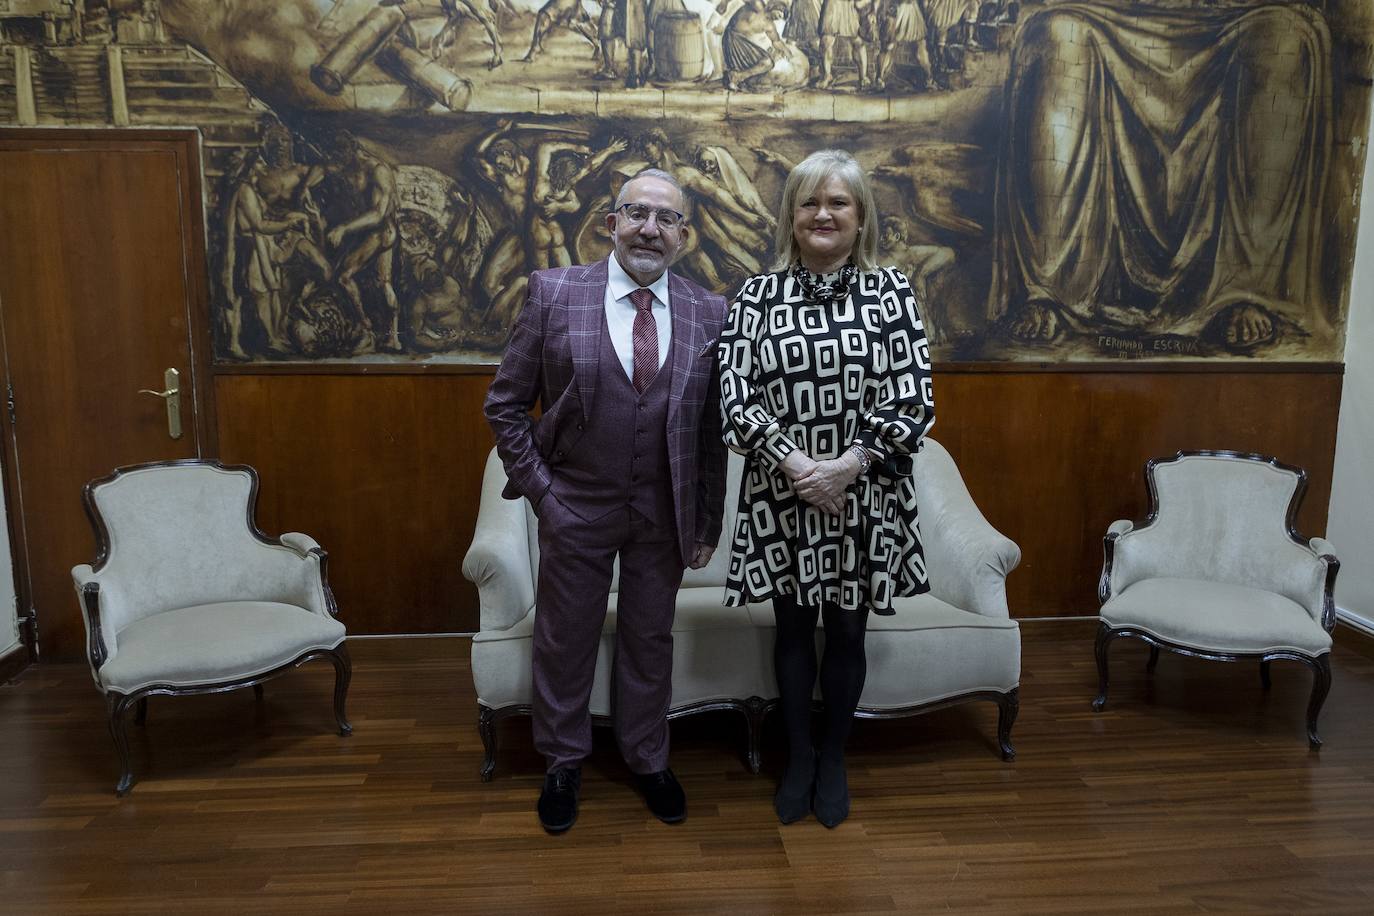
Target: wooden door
column 102, row 289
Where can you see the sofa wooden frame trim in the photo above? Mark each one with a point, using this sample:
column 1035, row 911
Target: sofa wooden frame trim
column 1320, row 664
column 98, row 652
column 755, row 710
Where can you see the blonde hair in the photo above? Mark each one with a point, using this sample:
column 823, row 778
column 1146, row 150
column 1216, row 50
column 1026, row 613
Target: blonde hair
column 802, row 182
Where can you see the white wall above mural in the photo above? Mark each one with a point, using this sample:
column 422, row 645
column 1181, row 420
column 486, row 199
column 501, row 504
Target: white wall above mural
column 1077, row 180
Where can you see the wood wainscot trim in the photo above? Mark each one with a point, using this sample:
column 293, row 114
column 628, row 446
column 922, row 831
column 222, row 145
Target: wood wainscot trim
column 1353, row 637
column 1161, row 367
column 351, row 369
column 15, row 661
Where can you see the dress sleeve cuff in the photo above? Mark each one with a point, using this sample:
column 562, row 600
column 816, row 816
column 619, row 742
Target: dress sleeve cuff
column 776, row 448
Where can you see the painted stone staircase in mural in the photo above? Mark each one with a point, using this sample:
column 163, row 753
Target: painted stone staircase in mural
column 143, row 85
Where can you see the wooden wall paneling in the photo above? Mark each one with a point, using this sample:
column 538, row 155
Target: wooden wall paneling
column 1052, row 458
column 385, row 472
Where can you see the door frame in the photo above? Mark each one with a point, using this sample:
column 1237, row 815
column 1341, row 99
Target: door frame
column 185, row 144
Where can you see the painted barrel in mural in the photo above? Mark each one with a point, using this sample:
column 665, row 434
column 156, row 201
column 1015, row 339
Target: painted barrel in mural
column 356, row 48
column 679, row 52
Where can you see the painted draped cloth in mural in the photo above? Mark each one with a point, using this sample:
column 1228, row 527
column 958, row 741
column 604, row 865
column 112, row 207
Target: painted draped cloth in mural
column 1165, row 166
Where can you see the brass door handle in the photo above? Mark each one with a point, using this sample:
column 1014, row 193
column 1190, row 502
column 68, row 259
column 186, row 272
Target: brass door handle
column 172, row 396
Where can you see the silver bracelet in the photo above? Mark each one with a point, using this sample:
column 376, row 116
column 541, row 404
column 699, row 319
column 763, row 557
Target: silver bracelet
column 865, row 462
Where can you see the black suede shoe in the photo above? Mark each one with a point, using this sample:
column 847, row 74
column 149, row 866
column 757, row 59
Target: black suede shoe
column 558, row 800
column 664, row 796
column 831, row 803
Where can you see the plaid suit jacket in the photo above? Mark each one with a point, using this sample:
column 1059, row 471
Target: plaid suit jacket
column 552, row 360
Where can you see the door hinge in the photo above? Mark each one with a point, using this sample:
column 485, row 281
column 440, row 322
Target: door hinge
column 9, row 400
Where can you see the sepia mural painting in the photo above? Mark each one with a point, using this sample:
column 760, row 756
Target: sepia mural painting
column 1073, row 180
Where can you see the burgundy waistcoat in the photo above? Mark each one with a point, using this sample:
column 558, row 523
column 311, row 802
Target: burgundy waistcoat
column 622, row 457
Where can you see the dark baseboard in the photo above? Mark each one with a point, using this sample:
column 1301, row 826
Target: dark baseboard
column 13, row 662
column 1357, row 639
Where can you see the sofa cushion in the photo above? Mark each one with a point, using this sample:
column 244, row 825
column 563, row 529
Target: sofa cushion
column 213, row 643
column 1216, row 617
column 718, row 654
column 926, row 652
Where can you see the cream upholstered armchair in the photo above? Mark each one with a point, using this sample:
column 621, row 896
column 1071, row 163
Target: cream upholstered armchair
column 1217, row 571
column 187, row 596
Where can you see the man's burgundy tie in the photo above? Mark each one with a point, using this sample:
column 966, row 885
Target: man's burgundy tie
column 645, row 339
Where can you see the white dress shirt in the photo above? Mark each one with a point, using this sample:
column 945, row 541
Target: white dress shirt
column 620, row 314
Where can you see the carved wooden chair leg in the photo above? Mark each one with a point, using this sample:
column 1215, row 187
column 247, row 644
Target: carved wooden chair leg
column 257, row 692
column 1008, row 705
column 1265, row 682
column 1154, row 659
column 141, row 713
column 756, row 709
column 119, row 705
column 486, row 727
column 1104, row 639
column 343, row 674
column 1321, row 685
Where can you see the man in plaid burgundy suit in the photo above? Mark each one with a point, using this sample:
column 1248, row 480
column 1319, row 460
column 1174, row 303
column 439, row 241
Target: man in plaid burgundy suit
column 625, row 459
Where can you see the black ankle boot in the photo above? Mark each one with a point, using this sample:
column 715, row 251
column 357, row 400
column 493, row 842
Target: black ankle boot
column 832, row 792
column 795, row 805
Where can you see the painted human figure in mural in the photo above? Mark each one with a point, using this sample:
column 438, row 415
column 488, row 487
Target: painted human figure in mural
column 560, row 166
column 731, row 216
column 839, row 27
column 566, row 14
column 506, row 171
column 453, row 12
column 951, row 26
column 716, row 21
column 271, row 255
column 257, row 244
column 925, row 265
column 1162, row 211
column 368, row 239
column 434, row 317
column 626, row 22
column 749, row 46
column 803, row 29
column 902, row 24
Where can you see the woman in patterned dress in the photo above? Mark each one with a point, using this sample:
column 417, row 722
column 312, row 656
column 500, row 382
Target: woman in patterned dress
column 826, row 391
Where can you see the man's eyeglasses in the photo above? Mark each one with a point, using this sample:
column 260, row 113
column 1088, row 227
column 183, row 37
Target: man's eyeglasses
column 638, row 215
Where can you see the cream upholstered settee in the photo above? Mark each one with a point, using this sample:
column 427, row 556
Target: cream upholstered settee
column 953, row 645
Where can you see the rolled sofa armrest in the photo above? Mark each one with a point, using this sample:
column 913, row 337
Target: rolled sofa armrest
column 301, row 543
column 498, row 562
column 969, row 562
column 1116, row 530
column 1321, row 600
column 100, row 636
column 968, row 559
column 1120, row 526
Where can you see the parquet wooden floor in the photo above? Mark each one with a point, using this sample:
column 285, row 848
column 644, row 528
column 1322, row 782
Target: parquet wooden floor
column 1194, row 791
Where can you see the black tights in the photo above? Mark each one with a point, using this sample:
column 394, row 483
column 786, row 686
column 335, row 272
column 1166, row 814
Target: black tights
column 842, row 671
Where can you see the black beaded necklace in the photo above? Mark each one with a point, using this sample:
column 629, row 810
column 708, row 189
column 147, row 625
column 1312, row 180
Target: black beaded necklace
column 821, row 293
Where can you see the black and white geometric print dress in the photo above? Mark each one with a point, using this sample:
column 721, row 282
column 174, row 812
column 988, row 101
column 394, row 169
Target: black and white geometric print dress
column 820, row 378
